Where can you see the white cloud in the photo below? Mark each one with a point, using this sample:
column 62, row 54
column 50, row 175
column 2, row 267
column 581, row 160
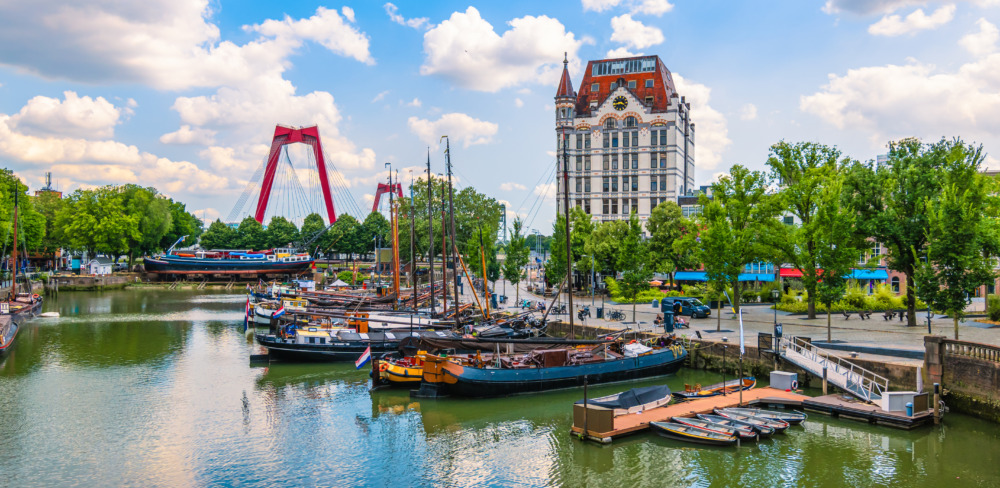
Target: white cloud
column 165, row 44
column 412, row 103
column 467, row 51
column 326, row 28
column 518, row 103
column 867, row 7
column 631, row 32
column 89, row 162
column 712, row 133
column 416, row 23
column 652, row 7
column 983, row 42
column 914, row 99
column 380, row 96
column 74, row 116
column 546, row 190
column 510, row 186
column 186, row 135
column 748, row 112
column 599, row 5
column 894, row 25
column 458, row 127
column 621, row 52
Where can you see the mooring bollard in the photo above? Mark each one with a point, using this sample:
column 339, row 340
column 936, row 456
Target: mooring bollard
column 824, row 380
column 937, row 403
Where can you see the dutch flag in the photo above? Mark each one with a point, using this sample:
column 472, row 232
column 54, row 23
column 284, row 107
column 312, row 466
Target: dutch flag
column 279, row 312
column 365, row 357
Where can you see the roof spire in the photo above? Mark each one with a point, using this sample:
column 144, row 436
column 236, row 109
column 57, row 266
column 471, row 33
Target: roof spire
column 565, row 84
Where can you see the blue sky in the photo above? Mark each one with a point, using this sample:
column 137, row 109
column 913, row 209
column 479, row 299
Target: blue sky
column 184, row 94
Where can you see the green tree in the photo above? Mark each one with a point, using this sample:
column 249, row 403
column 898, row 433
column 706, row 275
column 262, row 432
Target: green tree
column 375, row 226
column 581, row 229
column 346, row 236
column 251, row 235
column 802, row 170
column 219, row 236
column 184, row 224
column 281, row 232
column 962, row 233
column 314, row 233
column 891, row 200
column 518, row 254
column 604, row 244
column 837, row 244
column 667, row 225
column 633, row 261
column 151, row 212
column 738, row 221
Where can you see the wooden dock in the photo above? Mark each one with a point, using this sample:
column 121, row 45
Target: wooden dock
column 834, row 405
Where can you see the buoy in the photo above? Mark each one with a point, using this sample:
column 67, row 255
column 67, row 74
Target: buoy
column 795, row 384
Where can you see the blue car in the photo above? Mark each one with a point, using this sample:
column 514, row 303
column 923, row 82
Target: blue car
column 690, row 306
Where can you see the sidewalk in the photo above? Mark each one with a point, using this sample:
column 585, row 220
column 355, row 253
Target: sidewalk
column 872, row 336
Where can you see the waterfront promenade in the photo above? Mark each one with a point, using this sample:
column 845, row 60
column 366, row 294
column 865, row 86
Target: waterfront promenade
column 864, row 334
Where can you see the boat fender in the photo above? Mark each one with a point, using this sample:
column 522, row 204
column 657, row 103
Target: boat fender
column 383, row 366
column 632, row 341
column 35, row 296
column 795, row 384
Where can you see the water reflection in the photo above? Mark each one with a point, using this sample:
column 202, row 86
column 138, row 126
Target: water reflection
column 155, row 388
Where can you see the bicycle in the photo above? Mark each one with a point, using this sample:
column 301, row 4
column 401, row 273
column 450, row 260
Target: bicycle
column 614, row 316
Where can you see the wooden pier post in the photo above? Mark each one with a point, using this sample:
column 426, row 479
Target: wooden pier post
column 824, row 380
column 937, row 403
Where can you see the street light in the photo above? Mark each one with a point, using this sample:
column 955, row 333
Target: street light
column 774, row 295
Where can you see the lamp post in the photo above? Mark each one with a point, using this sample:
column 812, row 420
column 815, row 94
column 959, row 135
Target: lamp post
column 774, row 295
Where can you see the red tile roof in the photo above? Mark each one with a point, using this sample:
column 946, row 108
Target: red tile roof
column 662, row 91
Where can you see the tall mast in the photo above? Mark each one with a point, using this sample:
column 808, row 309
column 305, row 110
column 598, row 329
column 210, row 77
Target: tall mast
column 569, row 250
column 13, row 280
column 430, row 228
column 451, row 211
column 486, row 286
column 444, row 260
column 413, row 259
column 394, row 229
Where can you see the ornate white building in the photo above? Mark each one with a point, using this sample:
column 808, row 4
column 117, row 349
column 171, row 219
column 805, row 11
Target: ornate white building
column 629, row 138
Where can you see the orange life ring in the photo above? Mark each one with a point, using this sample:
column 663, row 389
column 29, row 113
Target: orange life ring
column 632, row 342
column 34, row 295
column 383, row 366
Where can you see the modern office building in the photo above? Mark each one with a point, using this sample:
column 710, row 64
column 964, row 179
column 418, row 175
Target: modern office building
column 627, row 137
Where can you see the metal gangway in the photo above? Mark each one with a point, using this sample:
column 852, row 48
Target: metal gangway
column 850, row 377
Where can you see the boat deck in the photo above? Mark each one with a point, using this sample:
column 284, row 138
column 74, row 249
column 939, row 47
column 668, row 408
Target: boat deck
column 766, row 397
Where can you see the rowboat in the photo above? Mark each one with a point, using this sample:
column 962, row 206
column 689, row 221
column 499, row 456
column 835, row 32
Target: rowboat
column 731, row 386
column 631, row 401
column 793, row 418
column 746, row 433
column 779, row 426
column 695, row 435
column 759, row 426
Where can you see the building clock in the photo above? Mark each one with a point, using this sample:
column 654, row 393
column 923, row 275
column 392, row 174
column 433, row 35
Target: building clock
column 619, row 103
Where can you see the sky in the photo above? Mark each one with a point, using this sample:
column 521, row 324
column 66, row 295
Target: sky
column 184, row 95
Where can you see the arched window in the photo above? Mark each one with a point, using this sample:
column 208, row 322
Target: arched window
column 611, row 123
column 630, row 122
column 895, row 284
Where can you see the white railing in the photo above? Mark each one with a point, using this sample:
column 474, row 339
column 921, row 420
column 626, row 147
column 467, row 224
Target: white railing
column 864, row 384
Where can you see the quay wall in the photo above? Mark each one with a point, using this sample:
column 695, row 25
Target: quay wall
column 724, row 357
column 58, row 283
column 969, row 373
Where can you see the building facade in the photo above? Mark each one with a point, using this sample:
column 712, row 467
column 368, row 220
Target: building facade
column 626, row 137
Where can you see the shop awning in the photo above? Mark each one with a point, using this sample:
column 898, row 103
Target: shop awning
column 756, row 277
column 790, row 273
column 690, row 276
column 869, row 274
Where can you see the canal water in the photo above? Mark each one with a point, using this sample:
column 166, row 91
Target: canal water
column 154, row 388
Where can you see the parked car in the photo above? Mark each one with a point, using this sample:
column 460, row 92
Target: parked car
column 690, row 306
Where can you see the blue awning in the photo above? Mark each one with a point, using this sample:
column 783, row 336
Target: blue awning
column 869, row 274
column 756, row 277
column 690, row 276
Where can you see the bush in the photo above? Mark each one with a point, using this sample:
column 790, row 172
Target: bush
column 993, row 307
column 346, row 277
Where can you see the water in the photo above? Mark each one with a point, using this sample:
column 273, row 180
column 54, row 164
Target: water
column 153, row 388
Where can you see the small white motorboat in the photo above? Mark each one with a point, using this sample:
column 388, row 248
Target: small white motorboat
column 49, row 314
